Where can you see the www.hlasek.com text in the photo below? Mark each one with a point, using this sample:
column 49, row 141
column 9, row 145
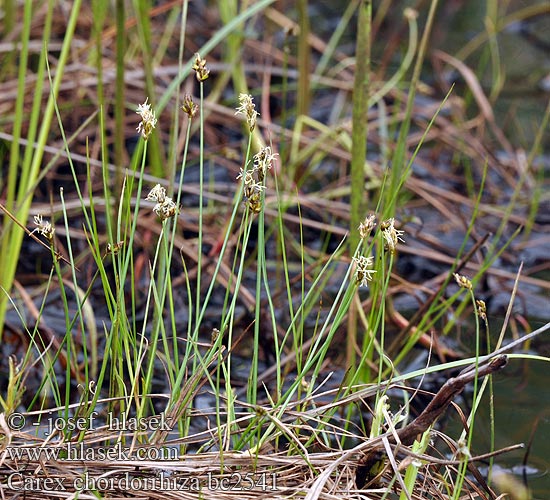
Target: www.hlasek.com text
column 73, row 452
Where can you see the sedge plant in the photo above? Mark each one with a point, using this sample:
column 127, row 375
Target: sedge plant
column 260, row 263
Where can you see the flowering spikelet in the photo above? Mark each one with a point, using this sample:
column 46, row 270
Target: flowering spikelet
column 463, row 452
column 252, row 190
column 391, row 235
column 201, row 71
column 482, row 309
column 165, row 207
column 363, row 272
column 263, row 161
column 253, row 178
column 248, row 109
column 148, row 119
column 367, row 226
column 158, row 194
column 462, row 281
column 247, row 177
column 44, row 227
column 114, row 248
column 189, row 106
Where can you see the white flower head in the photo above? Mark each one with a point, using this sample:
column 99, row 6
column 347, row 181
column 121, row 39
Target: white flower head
column 263, row 161
column 248, row 109
column 44, row 227
column 158, row 193
column 165, row 206
column 148, row 119
column 363, row 272
column 247, row 177
column 391, row 235
column 367, row 226
column 166, row 209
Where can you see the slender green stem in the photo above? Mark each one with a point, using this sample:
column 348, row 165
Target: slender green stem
column 359, row 151
column 198, row 301
column 304, row 57
column 119, row 104
column 399, row 171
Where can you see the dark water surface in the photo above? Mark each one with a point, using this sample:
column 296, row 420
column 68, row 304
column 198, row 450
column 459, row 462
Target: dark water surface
column 522, row 415
column 522, row 390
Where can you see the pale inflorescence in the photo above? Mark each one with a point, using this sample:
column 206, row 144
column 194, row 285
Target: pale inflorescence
column 391, row 235
column 165, row 207
column 363, row 272
column 148, row 119
column 481, row 309
column 263, row 161
column 189, row 107
column 463, row 281
column 44, row 227
column 248, row 178
column 367, row 226
column 253, row 178
column 199, row 66
column 248, row 109
column 114, row 248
